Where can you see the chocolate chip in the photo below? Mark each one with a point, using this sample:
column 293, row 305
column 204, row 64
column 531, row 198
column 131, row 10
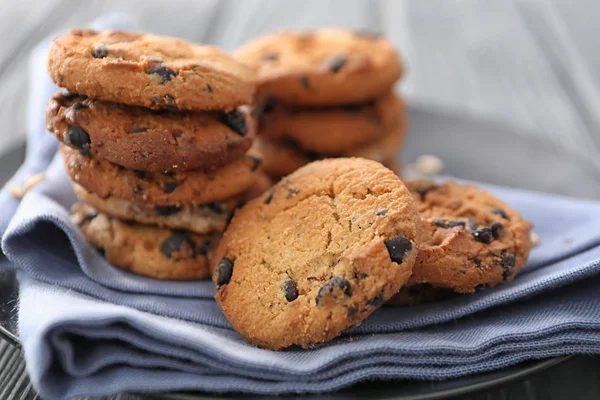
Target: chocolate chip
column 156, row 100
column 292, row 192
column 290, row 291
column 444, row 223
column 336, row 282
column 165, row 211
column 365, row 34
column 224, row 271
column 236, row 121
column 269, row 197
column 360, row 275
column 352, row 311
column 483, row 235
column 169, row 187
column 139, row 130
column 477, row 261
column 99, row 51
column 139, row 174
column 381, row 212
column 79, row 106
column 215, row 207
column 397, row 248
column 305, row 82
column 377, row 300
column 508, row 263
column 163, row 73
column 138, row 189
column 208, row 87
column 79, row 137
column 204, row 248
column 255, row 162
column 423, row 191
column 176, row 243
column 500, row 212
column 336, row 62
column 472, row 224
column 270, row 56
column 497, row 230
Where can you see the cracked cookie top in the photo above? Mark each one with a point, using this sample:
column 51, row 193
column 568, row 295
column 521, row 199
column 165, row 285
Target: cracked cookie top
column 471, row 239
column 149, row 71
column 317, row 253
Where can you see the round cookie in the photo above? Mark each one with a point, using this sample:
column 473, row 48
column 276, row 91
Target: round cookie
column 284, row 157
column 156, row 141
column 147, row 250
column 327, row 67
column 201, row 219
column 317, row 253
column 160, row 189
column 333, row 130
column 149, row 71
column 470, row 239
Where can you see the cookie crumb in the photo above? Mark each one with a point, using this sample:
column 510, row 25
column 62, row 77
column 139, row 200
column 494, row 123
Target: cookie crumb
column 15, row 190
column 428, row 164
column 535, row 238
column 30, row 182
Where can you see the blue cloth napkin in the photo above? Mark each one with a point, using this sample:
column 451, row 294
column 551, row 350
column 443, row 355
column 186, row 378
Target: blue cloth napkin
column 90, row 329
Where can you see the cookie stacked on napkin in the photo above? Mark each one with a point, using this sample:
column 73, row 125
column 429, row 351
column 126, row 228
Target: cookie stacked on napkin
column 154, row 133
column 326, row 93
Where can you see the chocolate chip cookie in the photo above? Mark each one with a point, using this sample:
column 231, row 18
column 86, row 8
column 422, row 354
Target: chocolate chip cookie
column 156, row 141
column 333, row 130
column 160, row 189
column 471, row 239
column 201, row 219
column 285, row 156
column 317, row 253
column 325, row 67
column 144, row 249
column 149, row 71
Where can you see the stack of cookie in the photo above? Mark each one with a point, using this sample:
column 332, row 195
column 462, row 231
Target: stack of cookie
column 154, row 134
column 326, row 93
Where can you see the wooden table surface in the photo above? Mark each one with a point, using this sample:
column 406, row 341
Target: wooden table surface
column 529, row 64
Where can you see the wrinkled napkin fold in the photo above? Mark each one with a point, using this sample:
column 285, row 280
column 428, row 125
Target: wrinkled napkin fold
column 90, row 329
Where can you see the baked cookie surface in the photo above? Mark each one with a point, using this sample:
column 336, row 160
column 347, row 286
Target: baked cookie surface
column 471, row 239
column 332, row 130
column 147, row 140
column 149, row 71
column 145, row 249
column 322, row 68
column 317, row 253
column 160, row 189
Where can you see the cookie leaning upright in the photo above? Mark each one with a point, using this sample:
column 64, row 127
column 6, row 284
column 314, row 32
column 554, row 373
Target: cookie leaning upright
column 324, row 67
column 471, row 239
column 316, row 254
column 149, row 71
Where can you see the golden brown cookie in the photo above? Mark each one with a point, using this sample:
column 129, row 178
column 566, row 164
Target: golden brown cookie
column 145, row 249
column 284, row 157
column 327, row 67
column 147, row 140
column 471, row 239
column 149, row 71
column 201, row 219
column 333, row 130
column 160, row 189
column 317, row 253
